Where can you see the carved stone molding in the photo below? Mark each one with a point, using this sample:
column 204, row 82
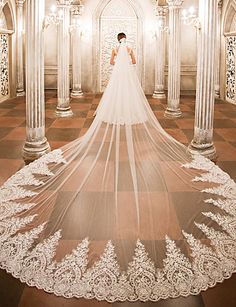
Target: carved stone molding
column 174, row 3
column 64, row 3
column 161, row 11
column 77, row 9
column 230, row 69
column 4, row 67
column 220, row 4
column 97, row 16
column 117, row 17
column 20, row 2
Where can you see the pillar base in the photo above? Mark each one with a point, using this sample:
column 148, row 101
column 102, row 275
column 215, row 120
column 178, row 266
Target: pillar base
column 76, row 94
column 34, row 150
column 206, row 150
column 20, row 93
column 217, row 91
column 169, row 113
column 159, row 95
column 64, row 112
column 217, row 95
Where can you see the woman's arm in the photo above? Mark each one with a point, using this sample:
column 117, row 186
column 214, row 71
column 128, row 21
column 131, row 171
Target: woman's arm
column 133, row 59
column 112, row 60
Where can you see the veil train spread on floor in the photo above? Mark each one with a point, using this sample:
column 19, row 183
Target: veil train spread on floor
column 122, row 213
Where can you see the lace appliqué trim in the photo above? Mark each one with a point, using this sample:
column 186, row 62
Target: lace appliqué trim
column 72, row 277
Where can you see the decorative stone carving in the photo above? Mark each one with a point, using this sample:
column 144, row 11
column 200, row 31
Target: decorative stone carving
column 173, row 109
column 117, row 17
column 203, row 129
column 77, row 9
column 19, row 48
column 119, row 8
column 231, row 69
column 4, row 66
column 36, row 143
column 175, row 3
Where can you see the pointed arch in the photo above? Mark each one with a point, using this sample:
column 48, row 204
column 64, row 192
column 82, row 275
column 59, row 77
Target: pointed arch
column 230, row 13
column 8, row 13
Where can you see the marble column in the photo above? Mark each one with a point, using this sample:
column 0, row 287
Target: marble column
column 160, row 53
column 76, row 11
column 218, row 38
column 173, row 108
column 63, row 62
column 20, row 91
column 36, row 143
column 204, row 110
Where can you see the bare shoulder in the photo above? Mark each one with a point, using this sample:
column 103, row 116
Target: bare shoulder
column 115, row 51
column 129, row 49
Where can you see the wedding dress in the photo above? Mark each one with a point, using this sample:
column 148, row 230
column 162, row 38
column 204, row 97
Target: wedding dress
column 122, row 213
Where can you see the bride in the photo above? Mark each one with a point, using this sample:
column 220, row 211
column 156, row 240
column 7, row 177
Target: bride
column 122, row 213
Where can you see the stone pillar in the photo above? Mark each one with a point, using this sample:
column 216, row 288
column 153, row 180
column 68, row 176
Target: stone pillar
column 218, row 38
column 160, row 53
column 20, row 91
column 203, row 129
column 173, row 109
column 63, row 62
column 36, row 143
column 76, row 51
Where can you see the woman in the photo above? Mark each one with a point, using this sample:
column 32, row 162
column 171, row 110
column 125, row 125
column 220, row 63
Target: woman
column 122, row 213
column 120, row 37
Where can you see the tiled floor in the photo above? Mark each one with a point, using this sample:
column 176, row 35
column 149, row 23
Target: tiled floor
column 59, row 131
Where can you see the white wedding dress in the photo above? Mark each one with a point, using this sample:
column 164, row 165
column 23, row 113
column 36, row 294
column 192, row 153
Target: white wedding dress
column 122, row 213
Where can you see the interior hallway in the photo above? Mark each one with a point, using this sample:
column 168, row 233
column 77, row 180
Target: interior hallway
column 60, row 131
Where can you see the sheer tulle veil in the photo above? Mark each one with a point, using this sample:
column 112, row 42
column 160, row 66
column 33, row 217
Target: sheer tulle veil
column 122, row 213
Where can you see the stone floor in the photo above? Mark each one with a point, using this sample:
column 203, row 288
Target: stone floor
column 59, row 131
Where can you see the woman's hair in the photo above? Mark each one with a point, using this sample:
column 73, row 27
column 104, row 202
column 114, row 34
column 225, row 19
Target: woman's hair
column 121, row 35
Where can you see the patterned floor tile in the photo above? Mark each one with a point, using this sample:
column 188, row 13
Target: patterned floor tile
column 60, row 131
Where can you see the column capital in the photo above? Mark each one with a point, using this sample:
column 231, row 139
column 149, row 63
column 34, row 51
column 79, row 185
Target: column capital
column 220, row 4
column 174, row 3
column 77, row 9
column 161, row 10
column 64, row 3
column 20, row 2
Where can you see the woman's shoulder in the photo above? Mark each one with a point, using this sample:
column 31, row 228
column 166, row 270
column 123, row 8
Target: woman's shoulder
column 130, row 50
column 115, row 50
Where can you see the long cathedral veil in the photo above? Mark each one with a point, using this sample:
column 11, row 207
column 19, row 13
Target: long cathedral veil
column 122, row 213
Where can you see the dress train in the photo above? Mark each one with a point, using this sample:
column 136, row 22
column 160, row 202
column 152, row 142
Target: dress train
column 122, row 213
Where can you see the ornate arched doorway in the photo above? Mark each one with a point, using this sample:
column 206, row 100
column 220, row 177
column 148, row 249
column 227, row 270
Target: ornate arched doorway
column 112, row 17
